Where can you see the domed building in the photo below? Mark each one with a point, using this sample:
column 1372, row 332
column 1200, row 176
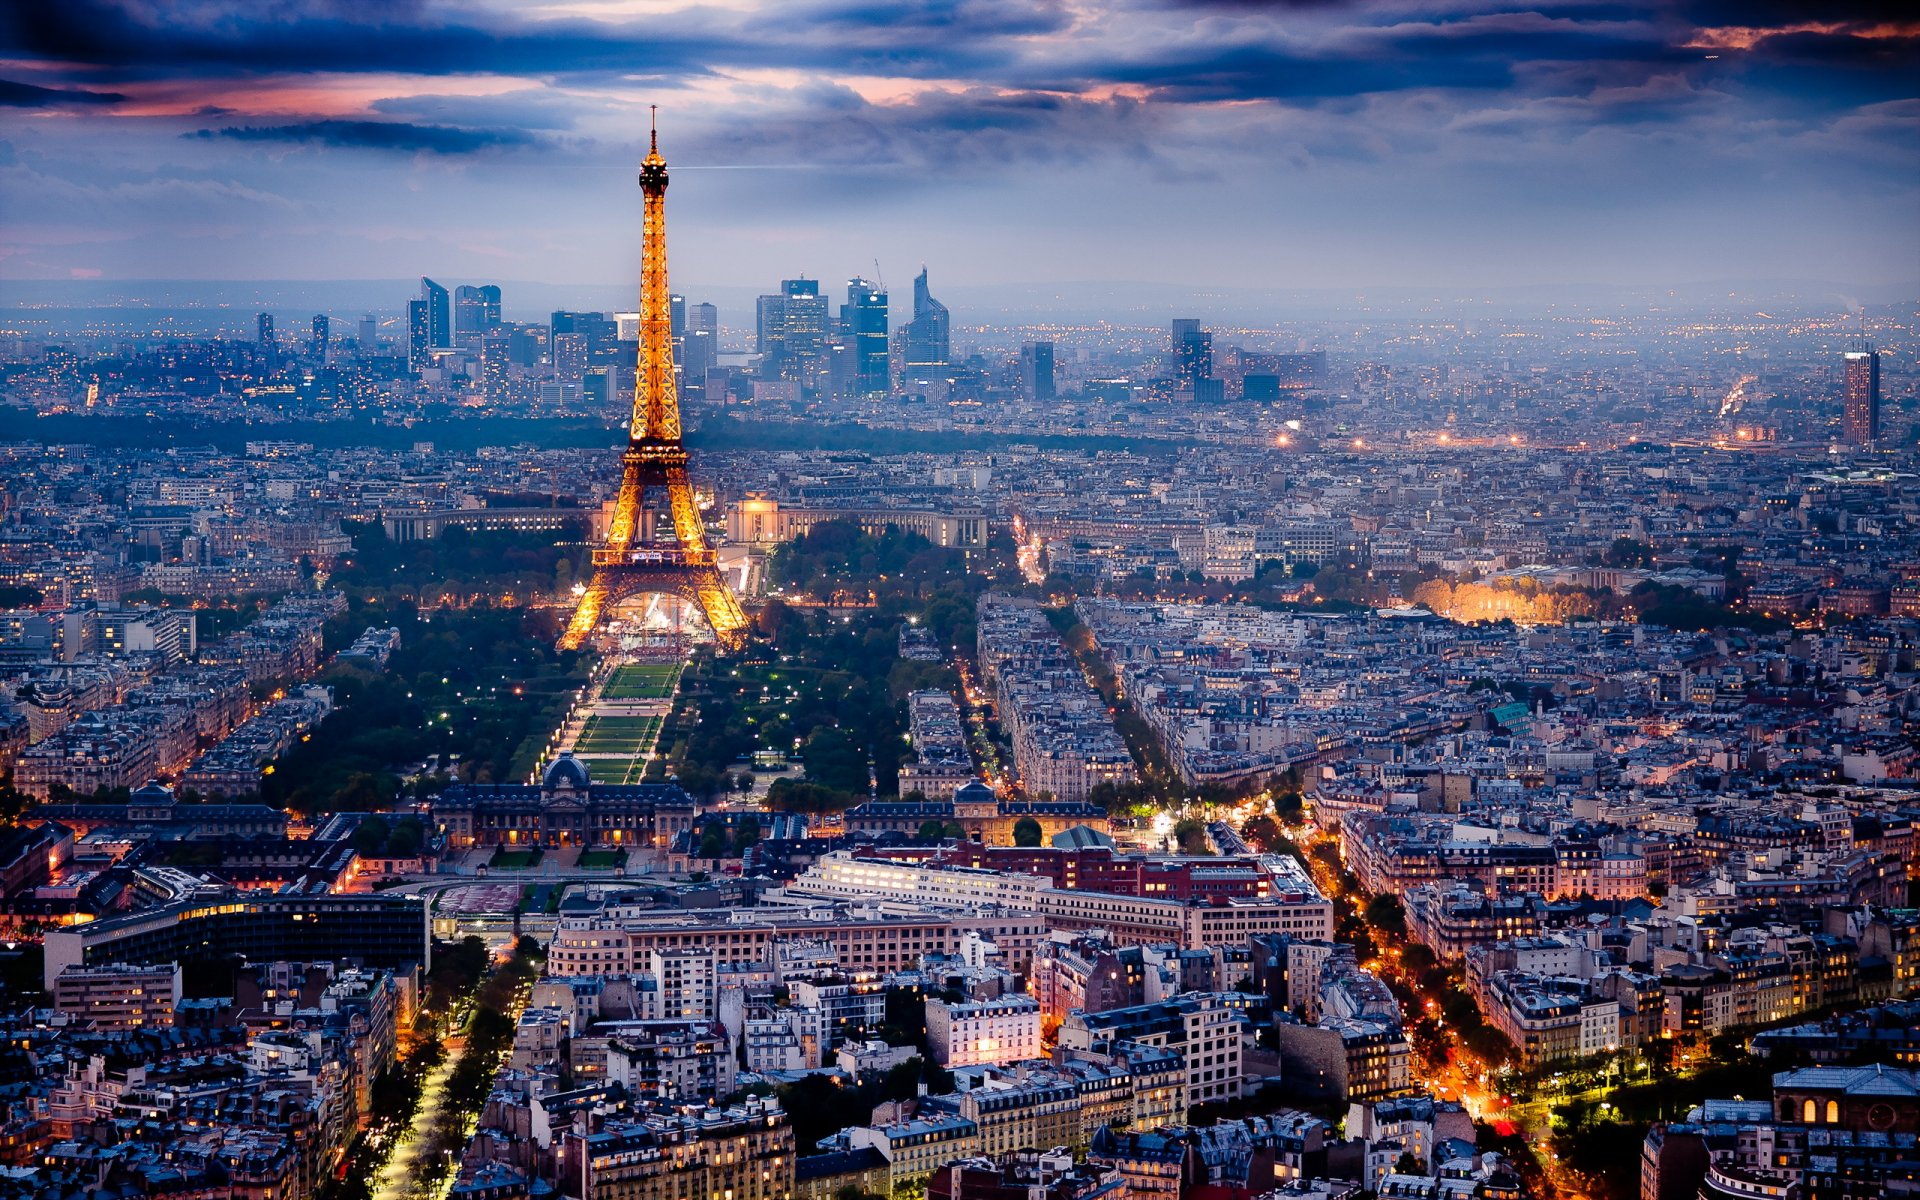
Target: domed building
column 976, row 808
column 566, row 808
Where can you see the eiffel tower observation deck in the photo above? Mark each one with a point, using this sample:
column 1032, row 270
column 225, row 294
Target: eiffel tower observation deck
column 633, row 561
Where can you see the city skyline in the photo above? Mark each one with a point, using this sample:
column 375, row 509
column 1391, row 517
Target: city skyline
column 1364, row 145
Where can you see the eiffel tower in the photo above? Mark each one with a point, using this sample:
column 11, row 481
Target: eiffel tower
column 633, row 562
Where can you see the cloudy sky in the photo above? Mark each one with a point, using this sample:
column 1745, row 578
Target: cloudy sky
column 1231, row 143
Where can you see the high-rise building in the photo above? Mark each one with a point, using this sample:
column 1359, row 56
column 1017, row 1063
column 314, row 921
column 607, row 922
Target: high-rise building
column 1862, row 416
column 927, row 346
column 369, row 333
column 569, row 357
column 700, row 346
column 439, row 304
column 863, row 326
column 1192, row 354
column 317, row 345
column 419, row 335
column 476, row 308
column 267, row 350
column 804, row 342
column 769, row 331
column 1036, row 371
column 496, row 352
column 599, row 335
column 791, row 331
column 677, row 315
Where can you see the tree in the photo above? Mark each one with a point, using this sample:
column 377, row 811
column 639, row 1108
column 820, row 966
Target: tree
column 713, row 842
column 1027, row 832
column 1386, row 914
column 932, row 830
column 1628, row 552
column 835, row 760
column 1263, row 831
column 903, row 1080
column 794, row 795
column 746, row 835
column 1190, row 833
column 370, row 837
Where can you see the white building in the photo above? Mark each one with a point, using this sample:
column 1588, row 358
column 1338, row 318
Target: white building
column 983, row 1031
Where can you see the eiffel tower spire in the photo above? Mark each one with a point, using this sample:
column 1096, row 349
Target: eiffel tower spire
column 656, row 399
column 632, row 562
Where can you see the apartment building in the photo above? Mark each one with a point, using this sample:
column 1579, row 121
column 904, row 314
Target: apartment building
column 114, row 998
column 744, row 1152
column 983, row 1031
column 1202, row 1028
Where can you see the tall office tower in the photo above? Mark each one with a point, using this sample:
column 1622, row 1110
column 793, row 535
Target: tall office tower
column 419, row 335
column 863, row 325
column 476, row 308
column 803, row 341
column 1192, row 351
column 927, row 344
column 439, row 304
column 769, row 328
column 317, row 345
column 677, row 325
column 701, row 343
column 704, row 316
column 369, row 333
column 1036, row 370
column 569, row 357
column 265, row 350
column 496, row 352
column 531, row 344
column 1862, row 419
column 598, row 332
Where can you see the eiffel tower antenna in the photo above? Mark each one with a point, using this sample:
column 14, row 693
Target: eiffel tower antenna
column 632, row 562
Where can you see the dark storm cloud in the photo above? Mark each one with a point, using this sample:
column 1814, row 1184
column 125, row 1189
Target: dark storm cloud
column 145, row 41
column 1477, row 50
column 1272, row 73
column 1774, row 13
column 948, row 133
column 526, row 108
column 970, row 19
column 26, row 95
column 376, row 135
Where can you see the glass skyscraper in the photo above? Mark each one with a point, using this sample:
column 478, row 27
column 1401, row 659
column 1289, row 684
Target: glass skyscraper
column 863, row 323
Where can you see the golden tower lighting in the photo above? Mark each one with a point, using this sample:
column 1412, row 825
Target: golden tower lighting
column 630, row 563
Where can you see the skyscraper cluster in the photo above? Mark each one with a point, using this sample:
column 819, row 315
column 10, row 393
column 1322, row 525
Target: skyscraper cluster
column 799, row 341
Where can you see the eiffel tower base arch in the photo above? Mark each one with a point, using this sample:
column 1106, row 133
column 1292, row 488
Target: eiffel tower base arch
column 701, row 586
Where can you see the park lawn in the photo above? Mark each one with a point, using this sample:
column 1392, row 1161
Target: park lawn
column 617, row 735
column 601, row 860
column 641, row 682
column 514, row 860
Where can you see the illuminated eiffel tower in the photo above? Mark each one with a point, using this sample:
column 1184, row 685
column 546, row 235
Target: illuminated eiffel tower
column 633, row 562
